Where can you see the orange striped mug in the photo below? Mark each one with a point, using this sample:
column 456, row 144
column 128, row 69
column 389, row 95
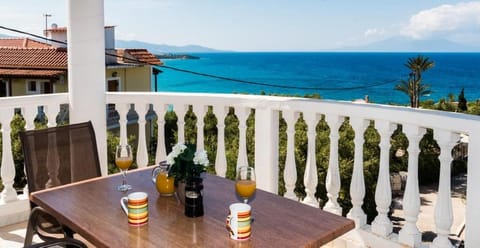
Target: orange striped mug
column 239, row 223
column 135, row 206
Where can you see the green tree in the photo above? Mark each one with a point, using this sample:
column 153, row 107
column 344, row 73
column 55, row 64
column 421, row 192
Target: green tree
column 414, row 87
column 462, row 102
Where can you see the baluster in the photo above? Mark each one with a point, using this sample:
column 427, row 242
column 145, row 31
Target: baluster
column 221, row 159
column 29, row 115
column 200, row 111
column 290, row 171
column 122, row 109
column 161, row 153
column 242, row 114
column 142, row 152
column 51, row 112
column 383, row 193
column 310, row 178
column 181, row 110
column 357, row 185
column 410, row 234
column 7, row 170
column 333, row 175
column 443, row 208
column 53, row 161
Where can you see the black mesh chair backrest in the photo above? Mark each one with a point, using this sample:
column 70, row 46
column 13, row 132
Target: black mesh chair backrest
column 60, row 155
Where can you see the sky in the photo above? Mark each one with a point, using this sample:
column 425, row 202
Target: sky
column 265, row 25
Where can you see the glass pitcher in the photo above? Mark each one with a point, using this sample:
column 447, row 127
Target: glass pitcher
column 164, row 183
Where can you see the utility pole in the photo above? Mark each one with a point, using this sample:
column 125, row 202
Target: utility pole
column 46, row 24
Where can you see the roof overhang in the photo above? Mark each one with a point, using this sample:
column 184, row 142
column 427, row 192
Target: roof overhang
column 29, row 73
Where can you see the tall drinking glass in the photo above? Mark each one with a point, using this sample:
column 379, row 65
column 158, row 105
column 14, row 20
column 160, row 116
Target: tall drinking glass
column 245, row 184
column 123, row 160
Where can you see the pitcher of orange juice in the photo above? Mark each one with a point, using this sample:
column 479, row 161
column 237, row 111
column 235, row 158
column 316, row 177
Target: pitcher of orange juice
column 164, row 183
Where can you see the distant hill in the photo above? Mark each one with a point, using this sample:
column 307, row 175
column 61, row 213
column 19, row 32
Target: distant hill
column 162, row 48
column 402, row 44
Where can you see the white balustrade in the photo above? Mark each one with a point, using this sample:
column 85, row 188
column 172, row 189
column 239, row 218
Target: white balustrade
column 410, row 234
column 122, row 109
column 161, row 152
column 180, row 111
column 332, row 182
column 7, row 170
column 142, row 152
column 357, row 185
column 221, row 159
column 290, row 171
column 443, row 207
column 310, row 178
column 382, row 225
column 29, row 114
column 51, row 112
column 242, row 115
column 200, row 111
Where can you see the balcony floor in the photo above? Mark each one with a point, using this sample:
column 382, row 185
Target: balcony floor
column 12, row 236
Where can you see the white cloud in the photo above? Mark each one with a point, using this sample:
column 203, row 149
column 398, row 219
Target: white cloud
column 445, row 20
column 374, row 32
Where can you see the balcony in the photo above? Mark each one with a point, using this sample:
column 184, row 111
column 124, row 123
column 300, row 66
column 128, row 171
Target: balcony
column 268, row 112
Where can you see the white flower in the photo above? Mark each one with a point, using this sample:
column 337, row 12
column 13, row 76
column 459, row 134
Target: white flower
column 178, row 149
column 201, row 158
column 171, row 158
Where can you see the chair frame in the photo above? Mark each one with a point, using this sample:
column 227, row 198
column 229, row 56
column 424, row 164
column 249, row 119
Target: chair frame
column 35, row 219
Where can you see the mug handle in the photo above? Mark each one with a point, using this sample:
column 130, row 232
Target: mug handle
column 233, row 225
column 228, row 225
column 122, row 203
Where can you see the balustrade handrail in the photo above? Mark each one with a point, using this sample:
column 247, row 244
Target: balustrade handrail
column 457, row 122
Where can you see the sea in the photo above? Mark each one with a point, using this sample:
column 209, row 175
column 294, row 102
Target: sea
column 332, row 75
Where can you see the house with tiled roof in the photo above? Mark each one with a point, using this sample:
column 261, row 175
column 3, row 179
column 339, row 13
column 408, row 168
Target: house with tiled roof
column 30, row 66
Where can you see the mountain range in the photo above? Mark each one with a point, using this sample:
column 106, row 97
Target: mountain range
column 163, row 48
column 403, row 44
column 396, row 44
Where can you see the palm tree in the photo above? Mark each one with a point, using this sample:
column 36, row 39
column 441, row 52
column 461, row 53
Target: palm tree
column 414, row 87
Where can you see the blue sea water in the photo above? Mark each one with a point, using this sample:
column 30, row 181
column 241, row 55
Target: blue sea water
column 335, row 75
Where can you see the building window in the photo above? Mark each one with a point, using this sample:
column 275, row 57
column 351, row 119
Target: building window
column 40, row 87
column 48, row 88
column 113, row 84
column 4, row 88
column 33, row 87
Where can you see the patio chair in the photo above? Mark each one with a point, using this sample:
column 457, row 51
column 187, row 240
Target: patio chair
column 63, row 242
column 53, row 157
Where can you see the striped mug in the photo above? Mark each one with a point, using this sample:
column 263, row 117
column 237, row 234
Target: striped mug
column 135, row 206
column 239, row 222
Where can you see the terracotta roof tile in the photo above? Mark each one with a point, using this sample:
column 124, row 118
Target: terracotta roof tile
column 22, row 42
column 141, row 55
column 44, row 58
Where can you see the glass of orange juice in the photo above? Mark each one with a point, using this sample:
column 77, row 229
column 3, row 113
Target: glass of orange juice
column 245, row 183
column 123, row 160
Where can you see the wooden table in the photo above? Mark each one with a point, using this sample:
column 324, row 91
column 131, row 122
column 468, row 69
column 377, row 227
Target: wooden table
column 92, row 209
